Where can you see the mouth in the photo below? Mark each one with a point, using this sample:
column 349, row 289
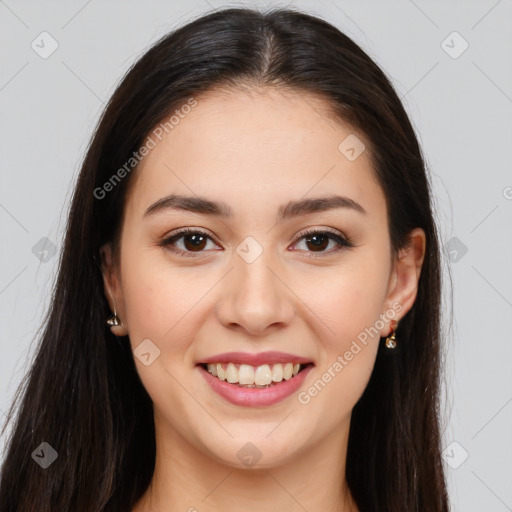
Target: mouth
column 260, row 377
column 255, row 380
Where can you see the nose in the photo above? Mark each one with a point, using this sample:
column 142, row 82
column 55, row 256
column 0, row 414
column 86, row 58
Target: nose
column 255, row 297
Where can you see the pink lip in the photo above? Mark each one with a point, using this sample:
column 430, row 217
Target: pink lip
column 254, row 397
column 271, row 357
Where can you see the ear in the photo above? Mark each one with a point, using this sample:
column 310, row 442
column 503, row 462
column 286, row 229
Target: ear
column 403, row 282
column 112, row 288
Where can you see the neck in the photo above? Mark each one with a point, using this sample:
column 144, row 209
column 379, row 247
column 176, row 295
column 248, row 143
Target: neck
column 188, row 478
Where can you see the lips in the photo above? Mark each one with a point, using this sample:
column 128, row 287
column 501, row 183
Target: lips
column 270, row 357
column 255, row 397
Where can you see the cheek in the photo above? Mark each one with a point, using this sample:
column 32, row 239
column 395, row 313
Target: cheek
column 347, row 353
column 156, row 296
column 156, row 301
column 347, row 306
column 161, row 306
column 348, row 301
column 165, row 305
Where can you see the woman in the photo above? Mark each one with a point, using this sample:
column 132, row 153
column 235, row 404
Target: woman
column 247, row 306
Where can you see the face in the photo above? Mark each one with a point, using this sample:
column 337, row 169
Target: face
column 267, row 268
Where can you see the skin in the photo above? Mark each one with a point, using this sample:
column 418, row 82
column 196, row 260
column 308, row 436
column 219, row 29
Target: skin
column 255, row 151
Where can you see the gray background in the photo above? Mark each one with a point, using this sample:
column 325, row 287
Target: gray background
column 461, row 108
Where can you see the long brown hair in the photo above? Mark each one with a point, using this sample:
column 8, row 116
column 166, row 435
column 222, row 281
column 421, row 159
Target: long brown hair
column 83, row 395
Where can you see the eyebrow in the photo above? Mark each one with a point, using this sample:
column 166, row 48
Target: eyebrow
column 204, row 206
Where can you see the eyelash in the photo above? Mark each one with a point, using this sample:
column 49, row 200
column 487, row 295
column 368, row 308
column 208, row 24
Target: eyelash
column 343, row 242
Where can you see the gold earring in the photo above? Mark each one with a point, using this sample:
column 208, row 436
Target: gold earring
column 391, row 340
column 113, row 320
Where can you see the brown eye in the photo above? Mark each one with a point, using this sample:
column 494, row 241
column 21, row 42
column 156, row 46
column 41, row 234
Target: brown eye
column 194, row 241
column 318, row 241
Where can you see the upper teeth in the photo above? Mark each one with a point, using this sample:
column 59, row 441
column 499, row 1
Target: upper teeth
column 259, row 375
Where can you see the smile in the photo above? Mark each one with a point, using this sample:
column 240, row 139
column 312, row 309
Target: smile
column 246, row 375
column 255, row 380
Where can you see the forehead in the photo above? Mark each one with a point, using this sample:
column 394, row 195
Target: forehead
column 266, row 146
